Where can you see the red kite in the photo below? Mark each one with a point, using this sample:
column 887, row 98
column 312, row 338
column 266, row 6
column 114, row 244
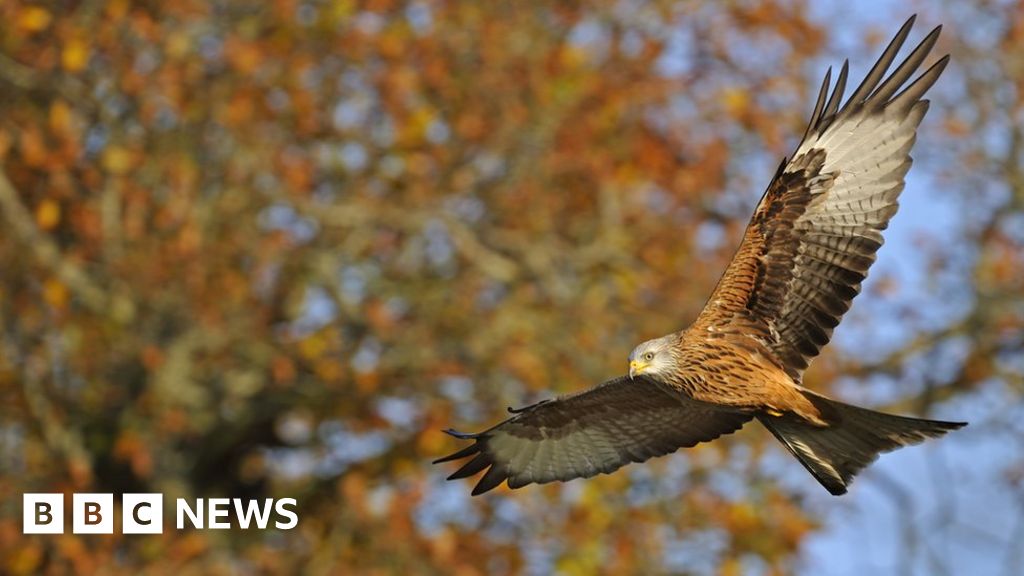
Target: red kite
column 803, row 257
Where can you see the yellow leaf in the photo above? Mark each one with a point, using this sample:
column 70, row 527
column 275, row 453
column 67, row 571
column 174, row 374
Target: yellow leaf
column 313, row 346
column 47, row 214
column 116, row 9
column 731, row 567
column 116, row 160
column 75, row 56
column 735, row 100
column 177, row 45
column 26, row 559
column 60, row 117
column 34, row 19
column 418, row 122
column 742, row 518
column 572, row 57
column 328, row 369
column 55, row 293
column 341, row 11
column 430, row 442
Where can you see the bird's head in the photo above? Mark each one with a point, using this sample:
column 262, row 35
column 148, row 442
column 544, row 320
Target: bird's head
column 652, row 357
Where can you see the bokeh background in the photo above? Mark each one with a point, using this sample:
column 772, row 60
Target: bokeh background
column 270, row 249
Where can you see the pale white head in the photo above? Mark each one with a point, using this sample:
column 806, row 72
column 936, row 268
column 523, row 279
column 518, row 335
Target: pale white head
column 653, row 357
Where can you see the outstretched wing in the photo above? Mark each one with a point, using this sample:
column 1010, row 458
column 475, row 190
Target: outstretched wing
column 591, row 432
column 815, row 232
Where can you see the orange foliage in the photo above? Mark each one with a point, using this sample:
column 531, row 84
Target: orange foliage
column 387, row 216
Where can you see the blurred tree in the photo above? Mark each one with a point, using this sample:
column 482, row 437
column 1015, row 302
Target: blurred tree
column 268, row 249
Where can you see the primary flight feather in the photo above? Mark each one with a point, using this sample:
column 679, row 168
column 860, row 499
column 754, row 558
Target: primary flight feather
column 803, row 257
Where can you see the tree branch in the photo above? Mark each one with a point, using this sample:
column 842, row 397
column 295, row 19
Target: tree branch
column 45, row 250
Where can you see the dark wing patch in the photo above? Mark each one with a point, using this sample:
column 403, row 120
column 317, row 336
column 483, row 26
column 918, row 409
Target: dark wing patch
column 592, row 432
column 815, row 232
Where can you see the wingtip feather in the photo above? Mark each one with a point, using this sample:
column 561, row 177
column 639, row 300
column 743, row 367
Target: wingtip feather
column 465, row 452
column 837, row 93
column 470, row 468
column 904, row 71
column 916, row 90
column 490, row 480
column 909, row 23
column 881, row 66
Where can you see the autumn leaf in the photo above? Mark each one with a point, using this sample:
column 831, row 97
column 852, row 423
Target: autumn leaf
column 75, row 55
column 33, row 18
column 47, row 214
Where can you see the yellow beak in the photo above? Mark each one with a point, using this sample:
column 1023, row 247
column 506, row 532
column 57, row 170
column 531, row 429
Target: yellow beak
column 636, row 368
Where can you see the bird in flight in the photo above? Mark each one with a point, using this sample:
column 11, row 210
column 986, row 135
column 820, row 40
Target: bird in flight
column 801, row 262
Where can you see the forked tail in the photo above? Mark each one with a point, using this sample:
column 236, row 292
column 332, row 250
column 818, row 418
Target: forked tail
column 854, row 438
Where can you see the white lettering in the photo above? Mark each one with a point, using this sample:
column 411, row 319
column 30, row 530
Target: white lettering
column 282, row 511
column 262, row 515
column 219, row 509
column 185, row 510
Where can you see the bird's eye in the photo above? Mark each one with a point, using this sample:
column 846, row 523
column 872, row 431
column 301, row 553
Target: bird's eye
column 649, row 356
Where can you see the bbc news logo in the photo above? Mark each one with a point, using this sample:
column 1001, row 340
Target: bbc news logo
column 144, row 513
